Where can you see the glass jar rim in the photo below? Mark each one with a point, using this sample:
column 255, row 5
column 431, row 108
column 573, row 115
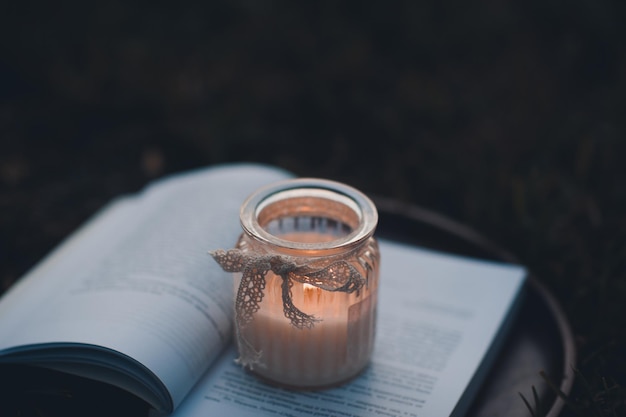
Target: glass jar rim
column 342, row 196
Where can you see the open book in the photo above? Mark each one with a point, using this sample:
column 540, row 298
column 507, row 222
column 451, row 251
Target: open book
column 133, row 299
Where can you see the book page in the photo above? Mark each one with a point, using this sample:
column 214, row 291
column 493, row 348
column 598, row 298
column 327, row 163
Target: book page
column 138, row 279
column 438, row 316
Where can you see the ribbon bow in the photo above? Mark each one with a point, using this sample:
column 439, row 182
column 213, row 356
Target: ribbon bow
column 336, row 276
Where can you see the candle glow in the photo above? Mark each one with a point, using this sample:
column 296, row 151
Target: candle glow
column 306, row 282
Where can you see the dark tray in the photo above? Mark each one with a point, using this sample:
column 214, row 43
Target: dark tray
column 540, row 340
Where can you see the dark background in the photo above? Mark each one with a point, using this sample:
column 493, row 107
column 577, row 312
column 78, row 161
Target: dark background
column 507, row 116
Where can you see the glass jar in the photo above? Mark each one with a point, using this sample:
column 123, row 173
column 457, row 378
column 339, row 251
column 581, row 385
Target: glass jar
column 305, row 303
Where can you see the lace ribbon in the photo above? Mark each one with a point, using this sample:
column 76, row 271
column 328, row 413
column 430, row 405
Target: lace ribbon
column 338, row 275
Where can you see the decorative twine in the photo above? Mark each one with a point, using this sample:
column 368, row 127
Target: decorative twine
column 338, row 276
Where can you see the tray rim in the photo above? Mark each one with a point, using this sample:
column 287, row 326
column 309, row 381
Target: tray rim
column 424, row 215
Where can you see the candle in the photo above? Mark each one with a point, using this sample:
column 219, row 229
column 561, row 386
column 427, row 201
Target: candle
column 307, row 283
column 336, row 348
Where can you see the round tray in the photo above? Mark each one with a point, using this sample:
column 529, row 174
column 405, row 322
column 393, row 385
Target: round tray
column 540, row 340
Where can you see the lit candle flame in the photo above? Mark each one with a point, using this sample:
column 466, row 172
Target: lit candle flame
column 311, row 293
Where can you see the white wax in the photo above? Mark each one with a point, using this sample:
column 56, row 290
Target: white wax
column 337, row 348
